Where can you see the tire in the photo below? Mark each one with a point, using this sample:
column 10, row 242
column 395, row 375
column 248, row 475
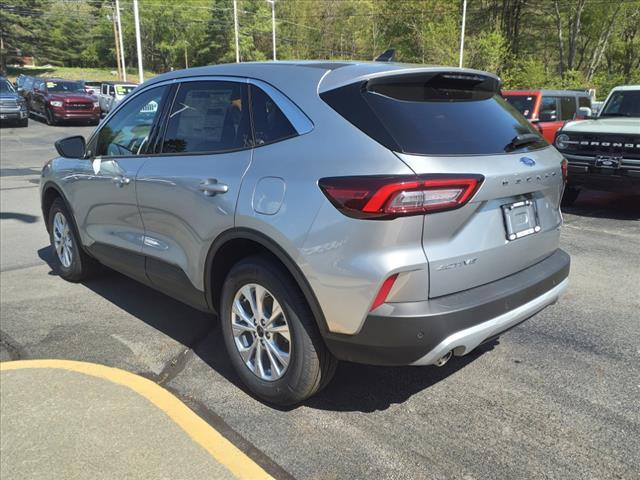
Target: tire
column 310, row 365
column 570, row 195
column 74, row 265
column 51, row 120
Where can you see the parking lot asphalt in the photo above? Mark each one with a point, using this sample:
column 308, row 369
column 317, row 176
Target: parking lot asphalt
column 556, row 397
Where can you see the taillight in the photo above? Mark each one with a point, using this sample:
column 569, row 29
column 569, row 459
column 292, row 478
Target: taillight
column 564, row 166
column 386, row 197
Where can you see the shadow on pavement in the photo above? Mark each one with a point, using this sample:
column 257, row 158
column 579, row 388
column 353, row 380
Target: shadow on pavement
column 605, row 205
column 23, row 217
column 355, row 387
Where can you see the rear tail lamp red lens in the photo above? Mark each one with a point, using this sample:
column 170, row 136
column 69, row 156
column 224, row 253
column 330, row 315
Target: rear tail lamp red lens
column 564, row 165
column 387, row 197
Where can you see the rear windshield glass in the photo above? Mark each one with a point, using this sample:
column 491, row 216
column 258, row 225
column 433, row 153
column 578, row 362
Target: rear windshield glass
column 522, row 103
column 435, row 114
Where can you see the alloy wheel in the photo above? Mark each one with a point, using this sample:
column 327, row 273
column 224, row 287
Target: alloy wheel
column 62, row 240
column 261, row 332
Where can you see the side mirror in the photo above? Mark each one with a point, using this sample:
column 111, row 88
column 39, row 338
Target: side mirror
column 584, row 112
column 72, row 147
column 548, row 116
column 20, row 90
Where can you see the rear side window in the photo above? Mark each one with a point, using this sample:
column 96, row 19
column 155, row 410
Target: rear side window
column 567, row 108
column 208, row 116
column 434, row 114
column 269, row 123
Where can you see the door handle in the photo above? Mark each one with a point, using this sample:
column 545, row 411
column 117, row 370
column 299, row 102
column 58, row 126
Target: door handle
column 211, row 187
column 121, row 181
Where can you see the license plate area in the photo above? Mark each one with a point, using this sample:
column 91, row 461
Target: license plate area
column 608, row 162
column 520, row 219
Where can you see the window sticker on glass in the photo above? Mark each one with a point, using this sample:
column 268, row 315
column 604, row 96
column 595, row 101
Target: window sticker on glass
column 123, row 89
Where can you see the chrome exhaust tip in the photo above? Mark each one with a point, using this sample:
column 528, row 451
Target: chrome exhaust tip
column 444, row 359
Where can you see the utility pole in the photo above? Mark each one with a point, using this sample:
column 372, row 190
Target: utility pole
column 115, row 39
column 235, row 26
column 273, row 26
column 464, row 20
column 136, row 19
column 124, row 67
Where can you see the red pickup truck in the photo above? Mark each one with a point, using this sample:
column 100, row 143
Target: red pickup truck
column 56, row 100
column 548, row 110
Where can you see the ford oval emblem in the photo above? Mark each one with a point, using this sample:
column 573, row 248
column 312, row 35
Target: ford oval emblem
column 529, row 162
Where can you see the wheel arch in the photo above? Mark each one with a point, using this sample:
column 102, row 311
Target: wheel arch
column 50, row 192
column 234, row 245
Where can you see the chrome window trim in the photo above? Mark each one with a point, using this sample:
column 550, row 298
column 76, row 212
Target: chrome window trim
column 301, row 123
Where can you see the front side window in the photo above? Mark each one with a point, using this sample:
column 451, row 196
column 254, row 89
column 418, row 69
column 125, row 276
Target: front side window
column 523, row 103
column 567, row 108
column 549, row 109
column 54, row 86
column 584, row 102
column 623, row 103
column 127, row 131
column 270, row 124
column 208, row 116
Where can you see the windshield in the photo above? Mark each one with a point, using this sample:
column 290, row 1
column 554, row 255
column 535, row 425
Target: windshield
column 623, row 103
column 65, row 87
column 6, row 87
column 523, row 103
column 124, row 89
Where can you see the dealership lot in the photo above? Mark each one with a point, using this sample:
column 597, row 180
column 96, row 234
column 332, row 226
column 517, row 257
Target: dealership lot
column 557, row 396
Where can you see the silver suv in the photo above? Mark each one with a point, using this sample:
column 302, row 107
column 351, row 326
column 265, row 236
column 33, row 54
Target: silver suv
column 377, row 213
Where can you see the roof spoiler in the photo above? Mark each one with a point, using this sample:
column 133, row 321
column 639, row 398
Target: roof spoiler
column 387, row 56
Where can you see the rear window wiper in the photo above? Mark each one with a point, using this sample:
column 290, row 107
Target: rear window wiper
column 522, row 140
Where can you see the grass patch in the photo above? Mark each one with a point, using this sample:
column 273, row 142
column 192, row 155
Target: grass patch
column 72, row 73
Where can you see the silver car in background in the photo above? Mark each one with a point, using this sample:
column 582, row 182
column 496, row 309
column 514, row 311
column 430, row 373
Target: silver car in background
column 379, row 213
column 111, row 94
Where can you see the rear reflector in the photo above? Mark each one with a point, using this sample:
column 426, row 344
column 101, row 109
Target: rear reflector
column 386, row 197
column 564, row 165
column 384, row 292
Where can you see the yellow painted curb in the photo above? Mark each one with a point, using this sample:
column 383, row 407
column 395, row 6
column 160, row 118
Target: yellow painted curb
column 238, row 463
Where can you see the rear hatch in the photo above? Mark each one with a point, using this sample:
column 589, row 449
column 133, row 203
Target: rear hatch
column 455, row 122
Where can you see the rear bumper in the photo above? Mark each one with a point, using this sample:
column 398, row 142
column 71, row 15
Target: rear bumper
column 419, row 333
